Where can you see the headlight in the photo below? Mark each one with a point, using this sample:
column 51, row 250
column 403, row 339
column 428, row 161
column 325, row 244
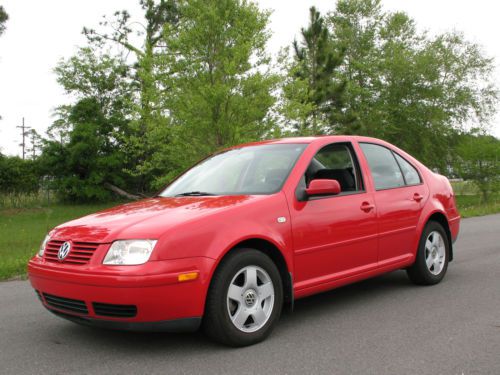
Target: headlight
column 129, row 252
column 43, row 245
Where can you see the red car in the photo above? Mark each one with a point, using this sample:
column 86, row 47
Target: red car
column 247, row 231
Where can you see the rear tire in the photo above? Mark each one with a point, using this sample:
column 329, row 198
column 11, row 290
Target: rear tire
column 244, row 300
column 433, row 253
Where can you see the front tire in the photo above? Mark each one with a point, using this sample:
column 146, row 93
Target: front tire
column 433, row 253
column 245, row 299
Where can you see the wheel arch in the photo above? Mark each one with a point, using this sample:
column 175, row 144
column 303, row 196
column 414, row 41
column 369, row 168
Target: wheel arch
column 440, row 218
column 272, row 250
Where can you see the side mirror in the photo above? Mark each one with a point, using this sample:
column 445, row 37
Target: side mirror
column 323, row 187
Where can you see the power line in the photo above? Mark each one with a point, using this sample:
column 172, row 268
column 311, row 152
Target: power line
column 24, row 134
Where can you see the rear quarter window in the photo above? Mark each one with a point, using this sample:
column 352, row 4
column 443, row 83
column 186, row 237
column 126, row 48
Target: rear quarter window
column 409, row 171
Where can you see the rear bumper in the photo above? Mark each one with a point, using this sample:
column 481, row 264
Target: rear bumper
column 159, row 300
column 454, row 228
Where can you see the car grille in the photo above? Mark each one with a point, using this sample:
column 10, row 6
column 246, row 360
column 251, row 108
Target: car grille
column 80, row 252
column 66, row 304
column 116, row 311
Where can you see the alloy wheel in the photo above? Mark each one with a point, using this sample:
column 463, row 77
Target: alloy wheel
column 435, row 252
column 250, row 299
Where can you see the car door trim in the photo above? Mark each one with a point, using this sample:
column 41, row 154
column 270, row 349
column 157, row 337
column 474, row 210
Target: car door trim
column 335, row 244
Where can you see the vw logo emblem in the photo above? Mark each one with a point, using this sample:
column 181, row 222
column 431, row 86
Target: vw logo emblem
column 64, row 250
column 250, row 298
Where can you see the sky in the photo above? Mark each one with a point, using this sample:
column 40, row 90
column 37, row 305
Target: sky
column 40, row 33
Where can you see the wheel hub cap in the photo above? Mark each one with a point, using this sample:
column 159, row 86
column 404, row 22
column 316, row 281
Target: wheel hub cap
column 435, row 252
column 250, row 298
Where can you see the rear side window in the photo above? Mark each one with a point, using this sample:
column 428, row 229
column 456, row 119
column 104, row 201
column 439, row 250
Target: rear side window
column 409, row 172
column 383, row 166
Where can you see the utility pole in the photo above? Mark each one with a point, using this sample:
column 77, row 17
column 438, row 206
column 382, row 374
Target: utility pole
column 24, row 133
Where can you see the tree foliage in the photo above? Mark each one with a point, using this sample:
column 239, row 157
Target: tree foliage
column 392, row 81
column 3, row 19
column 314, row 87
column 221, row 91
column 152, row 95
column 18, row 176
column 85, row 150
column 200, row 77
column 92, row 157
column 402, row 82
column 149, row 114
column 479, row 160
column 91, row 74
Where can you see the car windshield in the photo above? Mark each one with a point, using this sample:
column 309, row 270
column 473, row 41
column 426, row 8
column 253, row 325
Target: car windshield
column 248, row 170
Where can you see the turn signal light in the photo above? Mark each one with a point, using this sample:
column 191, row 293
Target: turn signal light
column 188, row 276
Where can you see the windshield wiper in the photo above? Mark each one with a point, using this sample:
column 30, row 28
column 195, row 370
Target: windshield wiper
column 194, row 194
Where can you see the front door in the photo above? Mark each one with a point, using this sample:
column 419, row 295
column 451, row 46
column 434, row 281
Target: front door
column 334, row 236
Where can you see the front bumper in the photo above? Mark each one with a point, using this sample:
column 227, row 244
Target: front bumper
column 175, row 325
column 160, row 302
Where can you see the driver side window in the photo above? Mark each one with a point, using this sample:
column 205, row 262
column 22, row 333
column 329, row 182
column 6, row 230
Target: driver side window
column 336, row 161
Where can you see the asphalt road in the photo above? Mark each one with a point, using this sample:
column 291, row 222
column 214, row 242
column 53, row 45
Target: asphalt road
column 381, row 326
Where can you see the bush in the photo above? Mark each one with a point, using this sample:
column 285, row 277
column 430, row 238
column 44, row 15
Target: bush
column 18, row 176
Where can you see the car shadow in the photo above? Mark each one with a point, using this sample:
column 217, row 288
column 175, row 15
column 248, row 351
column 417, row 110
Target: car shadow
column 344, row 297
column 338, row 301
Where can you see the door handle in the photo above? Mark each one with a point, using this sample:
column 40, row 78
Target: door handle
column 417, row 197
column 366, row 206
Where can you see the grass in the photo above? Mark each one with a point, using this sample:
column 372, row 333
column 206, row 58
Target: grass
column 464, row 188
column 22, row 230
column 469, row 200
column 471, row 205
column 42, row 198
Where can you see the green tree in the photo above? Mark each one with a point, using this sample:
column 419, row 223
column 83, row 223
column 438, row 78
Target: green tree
column 93, row 74
column 18, row 176
column 479, row 160
column 120, row 31
column 35, row 141
column 91, row 160
column 403, row 85
column 3, row 19
column 221, row 92
column 86, row 148
column 314, row 86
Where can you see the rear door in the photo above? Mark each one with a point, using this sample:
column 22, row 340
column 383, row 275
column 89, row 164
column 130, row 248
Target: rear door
column 399, row 197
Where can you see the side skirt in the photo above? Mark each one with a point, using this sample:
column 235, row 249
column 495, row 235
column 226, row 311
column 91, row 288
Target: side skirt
column 334, row 281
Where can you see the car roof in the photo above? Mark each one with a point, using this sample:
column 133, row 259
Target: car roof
column 308, row 140
column 327, row 139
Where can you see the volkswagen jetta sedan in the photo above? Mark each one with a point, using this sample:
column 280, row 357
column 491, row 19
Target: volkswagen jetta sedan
column 244, row 233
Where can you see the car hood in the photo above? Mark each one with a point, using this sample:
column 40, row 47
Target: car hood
column 148, row 218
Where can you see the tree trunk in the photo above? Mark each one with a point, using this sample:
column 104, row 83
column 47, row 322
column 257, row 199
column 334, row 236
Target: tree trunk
column 121, row 192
